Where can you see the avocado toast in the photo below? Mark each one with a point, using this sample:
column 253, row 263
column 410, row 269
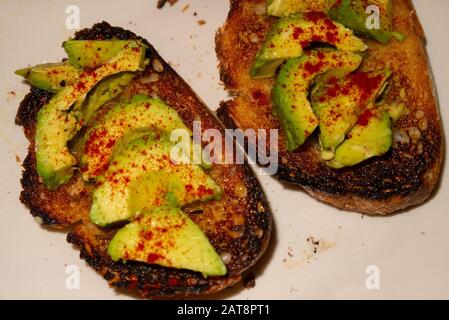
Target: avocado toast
column 377, row 156
column 230, row 218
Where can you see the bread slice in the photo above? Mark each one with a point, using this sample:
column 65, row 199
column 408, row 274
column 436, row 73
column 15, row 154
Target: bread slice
column 404, row 177
column 238, row 226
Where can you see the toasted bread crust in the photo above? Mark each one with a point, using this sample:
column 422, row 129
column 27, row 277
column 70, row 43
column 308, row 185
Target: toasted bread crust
column 404, row 177
column 239, row 225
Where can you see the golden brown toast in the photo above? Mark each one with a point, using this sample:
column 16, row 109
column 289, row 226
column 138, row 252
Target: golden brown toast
column 238, row 226
column 404, row 177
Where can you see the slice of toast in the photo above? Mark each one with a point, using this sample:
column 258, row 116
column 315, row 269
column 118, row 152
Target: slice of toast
column 238, row 226
column 404, row 177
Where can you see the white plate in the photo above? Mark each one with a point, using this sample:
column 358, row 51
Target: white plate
column 411, row 250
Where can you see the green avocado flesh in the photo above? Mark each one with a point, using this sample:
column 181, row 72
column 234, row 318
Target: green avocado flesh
column 280, row 8
column 339, row 101
column 105, row 91
column 50, row 77
column 169, row 238
column 312, row 91
column 372, row 136
column 396, row 110
column 91, row 54
column 352, row 15
column 131, row 184
column 290, row 35
column 291, row 90
column 138, row 115
column 57, row 123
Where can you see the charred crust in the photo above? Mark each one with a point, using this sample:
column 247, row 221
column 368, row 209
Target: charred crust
column 150, row 280
column 400, row 172
column 29, row 182
column 104, row 31
column 28, row 109
column 380, row 178
column 224, row 115
column 58, row 208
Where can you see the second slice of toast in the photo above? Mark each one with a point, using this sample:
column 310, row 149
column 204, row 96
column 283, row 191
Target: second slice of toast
column 406, row 176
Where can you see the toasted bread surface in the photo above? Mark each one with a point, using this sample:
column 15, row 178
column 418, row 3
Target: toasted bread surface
column 404, row 177
column 238, row 226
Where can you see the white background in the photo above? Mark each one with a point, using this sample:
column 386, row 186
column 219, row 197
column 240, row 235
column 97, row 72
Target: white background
column 411, row 249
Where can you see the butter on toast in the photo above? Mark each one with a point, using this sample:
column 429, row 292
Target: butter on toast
column 238, row 226
column 406, row 176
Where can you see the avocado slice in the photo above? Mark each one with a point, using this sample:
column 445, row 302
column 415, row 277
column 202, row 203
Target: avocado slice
column 372, row 136
column 50, row 77
column 169, row 238
column 130, row 185
column 352, row 15
column 291, row 90
column 91, row 54
column 57, row 123
column 105, row 91
column 139, row 114
column 396, row 110
column 290, row 35
column 339, row 101
column 282, row 8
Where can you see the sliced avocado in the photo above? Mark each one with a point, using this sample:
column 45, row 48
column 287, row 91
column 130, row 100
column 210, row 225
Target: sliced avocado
column 290, row 35
column 396, row 110
column 282, row 8
column 291, row 90
column 105, row 91
column 90, row 54
column 140, row 114
column 169, row 238
column 50, row 76
column 348, row 14
column 57, row 123
column 130, row 185
column 338, row 102
column 372, row 136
